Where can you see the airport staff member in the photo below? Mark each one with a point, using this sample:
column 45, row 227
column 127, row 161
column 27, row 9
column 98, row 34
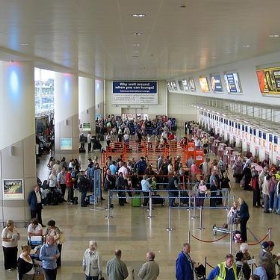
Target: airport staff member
column 225, row 270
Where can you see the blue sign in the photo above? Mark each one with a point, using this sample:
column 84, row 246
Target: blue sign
column 134, row 87
column 232, row 82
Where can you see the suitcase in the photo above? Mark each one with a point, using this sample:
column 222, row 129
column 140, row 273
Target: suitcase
column 75, row 200
column 157, row 199
column 136, row 201
column 122, row 198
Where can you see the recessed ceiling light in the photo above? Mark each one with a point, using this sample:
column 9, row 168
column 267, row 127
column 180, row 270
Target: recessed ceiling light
column 138, row 15
column 135, row 56
column 137, row 33
column 273, row 35
column 246, row 46
column 136, row 45
column 24, row 44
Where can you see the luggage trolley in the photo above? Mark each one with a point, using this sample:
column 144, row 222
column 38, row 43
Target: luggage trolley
column 223, row 229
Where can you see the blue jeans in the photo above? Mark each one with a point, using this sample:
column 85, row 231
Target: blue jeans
column 91, row 277
column 83, row 198
column 271, row 199
column 50, row 274
column 171, row 198
column 265, row 202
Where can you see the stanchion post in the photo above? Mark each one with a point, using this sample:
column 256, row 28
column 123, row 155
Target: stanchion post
column 200, row 219
column 230, row 241
column 150, row 205
column 169, row 220
column 189, row 237
column 194, row 216
column 269, row 233
column 109, row 204
column 205, row 265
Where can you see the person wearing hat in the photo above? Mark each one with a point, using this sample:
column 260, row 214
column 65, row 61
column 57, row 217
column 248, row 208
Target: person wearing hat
column 265, row 253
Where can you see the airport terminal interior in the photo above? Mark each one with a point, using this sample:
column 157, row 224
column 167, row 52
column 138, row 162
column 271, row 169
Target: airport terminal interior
column 135, row 230
column 213, row 62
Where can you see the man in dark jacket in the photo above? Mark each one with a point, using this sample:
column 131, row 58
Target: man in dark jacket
column 35, row 202
column 83, row 186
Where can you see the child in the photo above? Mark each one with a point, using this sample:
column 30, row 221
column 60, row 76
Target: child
column 154, row 185
column 233, row 214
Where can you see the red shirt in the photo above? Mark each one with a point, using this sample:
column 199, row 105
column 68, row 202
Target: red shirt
column 69, row 182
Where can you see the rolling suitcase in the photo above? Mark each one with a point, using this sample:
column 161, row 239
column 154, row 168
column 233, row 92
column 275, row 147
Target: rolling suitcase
column 136, row 201
column 157, row 199
column 122, row 198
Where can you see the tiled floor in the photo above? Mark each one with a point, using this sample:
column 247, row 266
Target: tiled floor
column 131, row 230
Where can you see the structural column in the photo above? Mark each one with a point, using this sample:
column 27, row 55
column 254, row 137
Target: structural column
column 86, row 105
column 66, row 116
column 17, row 141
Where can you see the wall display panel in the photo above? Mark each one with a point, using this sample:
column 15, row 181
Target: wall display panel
column 216, row 83
column 269, row 80
column 203, row 81
column 180, row 84
column 186, row 85
column 232, row 82
column 192, row 85
column 275, row 140
column 137, row 92
column 66, row 143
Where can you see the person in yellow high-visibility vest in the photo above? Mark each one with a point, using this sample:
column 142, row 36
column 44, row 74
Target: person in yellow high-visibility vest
column 225, row 270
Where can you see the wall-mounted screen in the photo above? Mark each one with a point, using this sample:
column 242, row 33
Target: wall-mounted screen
column 192, row 85
column 243, row 127
column 180, row 83
column 275, row 140
column 260, row 134
column 264, row 136
column 216, row 83
column 204, row 84
column 66, row 143
column 251, row 131
column 269, row 80
column 86, row 127
column 270, row 137
column 186, row 85
column 232, row 82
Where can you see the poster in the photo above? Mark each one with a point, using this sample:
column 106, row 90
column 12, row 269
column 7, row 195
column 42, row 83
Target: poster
column 269, row 80
column 232, row 82
column 13, row 189
column 204, row 84
column 216, row 83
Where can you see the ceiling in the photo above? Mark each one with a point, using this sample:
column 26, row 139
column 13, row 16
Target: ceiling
column 96, row 38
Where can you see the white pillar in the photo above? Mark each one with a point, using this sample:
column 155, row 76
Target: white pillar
column 17, row 141
column 86, row 104
column 66, row 116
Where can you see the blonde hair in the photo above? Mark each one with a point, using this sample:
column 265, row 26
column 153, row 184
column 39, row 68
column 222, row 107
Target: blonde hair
column 25, row 248
column 9, row 223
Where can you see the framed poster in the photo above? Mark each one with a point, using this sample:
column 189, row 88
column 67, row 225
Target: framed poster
column 204, row 84
column 216, row 83
column 232, row 82
column 13, row 189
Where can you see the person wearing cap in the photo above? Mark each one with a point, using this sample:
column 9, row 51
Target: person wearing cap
column 265, row 253
column 225, row 270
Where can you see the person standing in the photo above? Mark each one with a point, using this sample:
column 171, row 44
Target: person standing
column 225, row 270
column 184, row 264
column 92, row 262
column 55, row 232
column 35, row 202
column 213, row 189
column 150, row 269
column 26, row 269
column 173, row 187
column 49, row 254
column 69, row 185
column 145, row 184
column 83, row 186
column 10, row 237
column 61, row 181
column 244, row 217
column 89, row 142
column 261, row 270
column 116, row 269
